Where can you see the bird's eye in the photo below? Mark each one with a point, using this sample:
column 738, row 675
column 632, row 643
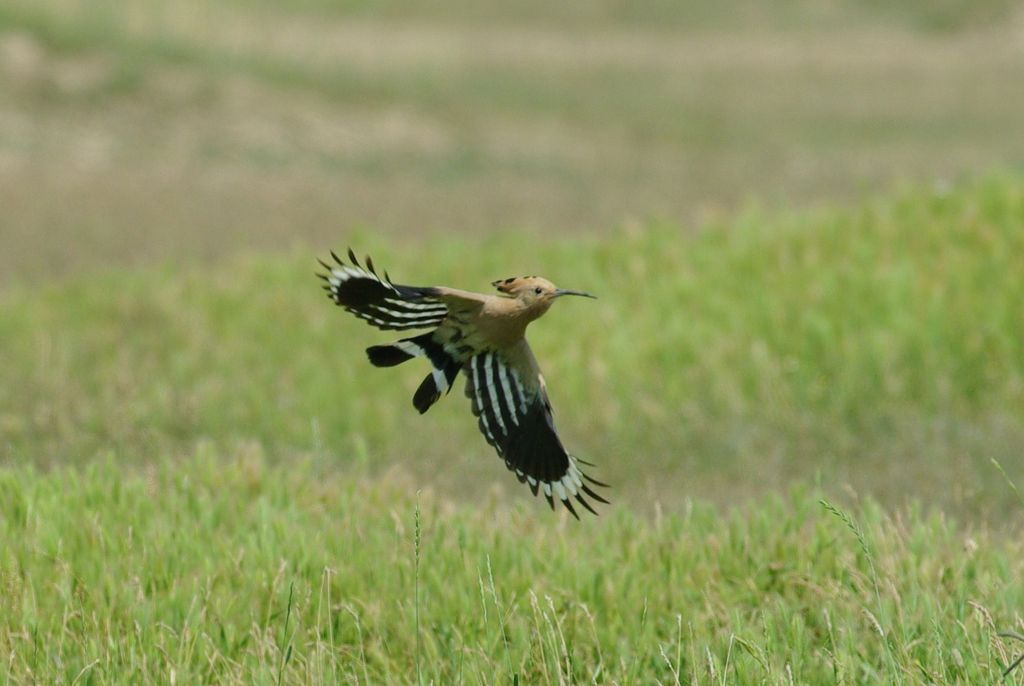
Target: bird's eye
column 538, row 290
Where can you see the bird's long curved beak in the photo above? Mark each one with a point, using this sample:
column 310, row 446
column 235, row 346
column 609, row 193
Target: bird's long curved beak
column 565, row 291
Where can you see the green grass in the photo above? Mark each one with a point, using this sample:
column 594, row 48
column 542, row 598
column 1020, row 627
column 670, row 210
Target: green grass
column 877, row 348
column 203, row 481
column 223, row 569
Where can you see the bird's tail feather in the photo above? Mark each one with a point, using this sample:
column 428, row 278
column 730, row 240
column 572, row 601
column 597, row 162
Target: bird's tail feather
column 445, row 367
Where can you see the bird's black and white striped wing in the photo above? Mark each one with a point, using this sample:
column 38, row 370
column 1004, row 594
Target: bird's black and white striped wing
column 376, row 299
column 515, row 417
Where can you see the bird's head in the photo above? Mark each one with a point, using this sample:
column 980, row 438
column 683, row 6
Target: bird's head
column 534, row 292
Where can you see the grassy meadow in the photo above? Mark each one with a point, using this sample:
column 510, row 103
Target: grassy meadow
column 803, row 377
column 223, row 569
column 875, row 349
column 184, row 452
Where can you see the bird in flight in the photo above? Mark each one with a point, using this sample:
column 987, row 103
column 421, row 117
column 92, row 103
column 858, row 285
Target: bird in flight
column 482, row 336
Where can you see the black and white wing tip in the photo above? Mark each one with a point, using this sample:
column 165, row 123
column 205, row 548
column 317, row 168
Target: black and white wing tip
column 516, row 420
column 573, row 485
column 376, row 299
column 339, row 273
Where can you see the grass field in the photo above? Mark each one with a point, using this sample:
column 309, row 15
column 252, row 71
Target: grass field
column 226, row 570
column 877, row 349
column 184, row 452
column 803, row 377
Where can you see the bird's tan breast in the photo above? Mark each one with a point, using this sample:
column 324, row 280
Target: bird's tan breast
column 502, row 322
column 496, row 324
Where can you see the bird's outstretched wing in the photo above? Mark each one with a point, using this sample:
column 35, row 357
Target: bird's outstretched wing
column 515, row 417
column 376, row 299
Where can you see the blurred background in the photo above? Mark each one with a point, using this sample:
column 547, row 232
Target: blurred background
column 802, row 277
column 150, row 129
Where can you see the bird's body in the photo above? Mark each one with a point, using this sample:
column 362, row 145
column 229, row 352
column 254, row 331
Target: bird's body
column 482, row 336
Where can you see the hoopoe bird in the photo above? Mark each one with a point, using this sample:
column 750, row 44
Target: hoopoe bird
column 482, row 336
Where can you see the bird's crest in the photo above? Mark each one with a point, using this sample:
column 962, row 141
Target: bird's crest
column 510, row 284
